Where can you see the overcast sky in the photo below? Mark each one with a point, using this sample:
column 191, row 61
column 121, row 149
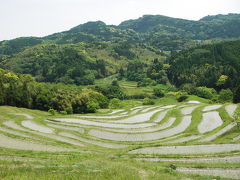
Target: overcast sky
column 44, row 17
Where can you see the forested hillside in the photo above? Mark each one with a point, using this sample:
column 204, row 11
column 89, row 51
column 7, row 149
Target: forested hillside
column 54, row 63
column 214, row 66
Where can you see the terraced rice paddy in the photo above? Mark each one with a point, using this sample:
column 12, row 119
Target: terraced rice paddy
column 184, row 134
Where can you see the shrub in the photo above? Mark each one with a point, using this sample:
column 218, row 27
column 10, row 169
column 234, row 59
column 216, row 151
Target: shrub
column 146, row 82
column 115, row 103
column 99, row 98
column 69, row 110
column 158, row 92
column 63, row 112
column 92, row 106
column 182, row 98
column 148, row 101
column 189, row 88
column 205, row 92
column 52, row 111
column 225, row 95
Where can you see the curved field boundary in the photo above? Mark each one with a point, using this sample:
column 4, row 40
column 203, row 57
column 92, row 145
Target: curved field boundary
column 9, row 131
column 116, row 111
column 19, row 158
column 109, row 125
column 138, row 107
column 186, row 121
column 148, row 109
column 226, row 159
column 51, row 136
column 160, row 116
column 211, row 108
column 210, row 121
column 137, row 118
column 102, row 117
column 219, row 133
column 225, row 173
column 25, row 115
column 36, row 127
column 98, row 143
column 193, row 149
column 79, row 130
column 135, row 111
column 12, row 143
column 183, row 139
column 231, row 108
column 194, row 102
column 150, row 129
column 188, row 110
column 13, row 125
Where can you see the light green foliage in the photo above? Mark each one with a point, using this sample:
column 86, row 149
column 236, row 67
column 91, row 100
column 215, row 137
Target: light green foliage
column 222, row 80
column 205, row 92
column 63, row 112
column 115, row 103
column 148, row 101
column 52, row 111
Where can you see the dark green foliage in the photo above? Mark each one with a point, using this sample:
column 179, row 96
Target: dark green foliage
column 146, row 82
column 124, row 50
column 17, row 45
column 214, row 66
column 136, row 71
column 157, row 91
column 121, row 74
column 157, row 72
column 110, row 91
column 225, row 95
column 189, row 88
column 236, row 98
column 170, row 33
column 182, row 98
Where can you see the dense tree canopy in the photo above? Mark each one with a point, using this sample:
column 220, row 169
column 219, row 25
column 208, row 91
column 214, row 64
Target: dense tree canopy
column 214, row 66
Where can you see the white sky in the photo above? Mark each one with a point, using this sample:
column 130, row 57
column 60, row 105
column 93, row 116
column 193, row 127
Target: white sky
column 44, row 17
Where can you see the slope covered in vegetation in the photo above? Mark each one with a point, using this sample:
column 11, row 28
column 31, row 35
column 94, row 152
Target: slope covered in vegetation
column 215, row 66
